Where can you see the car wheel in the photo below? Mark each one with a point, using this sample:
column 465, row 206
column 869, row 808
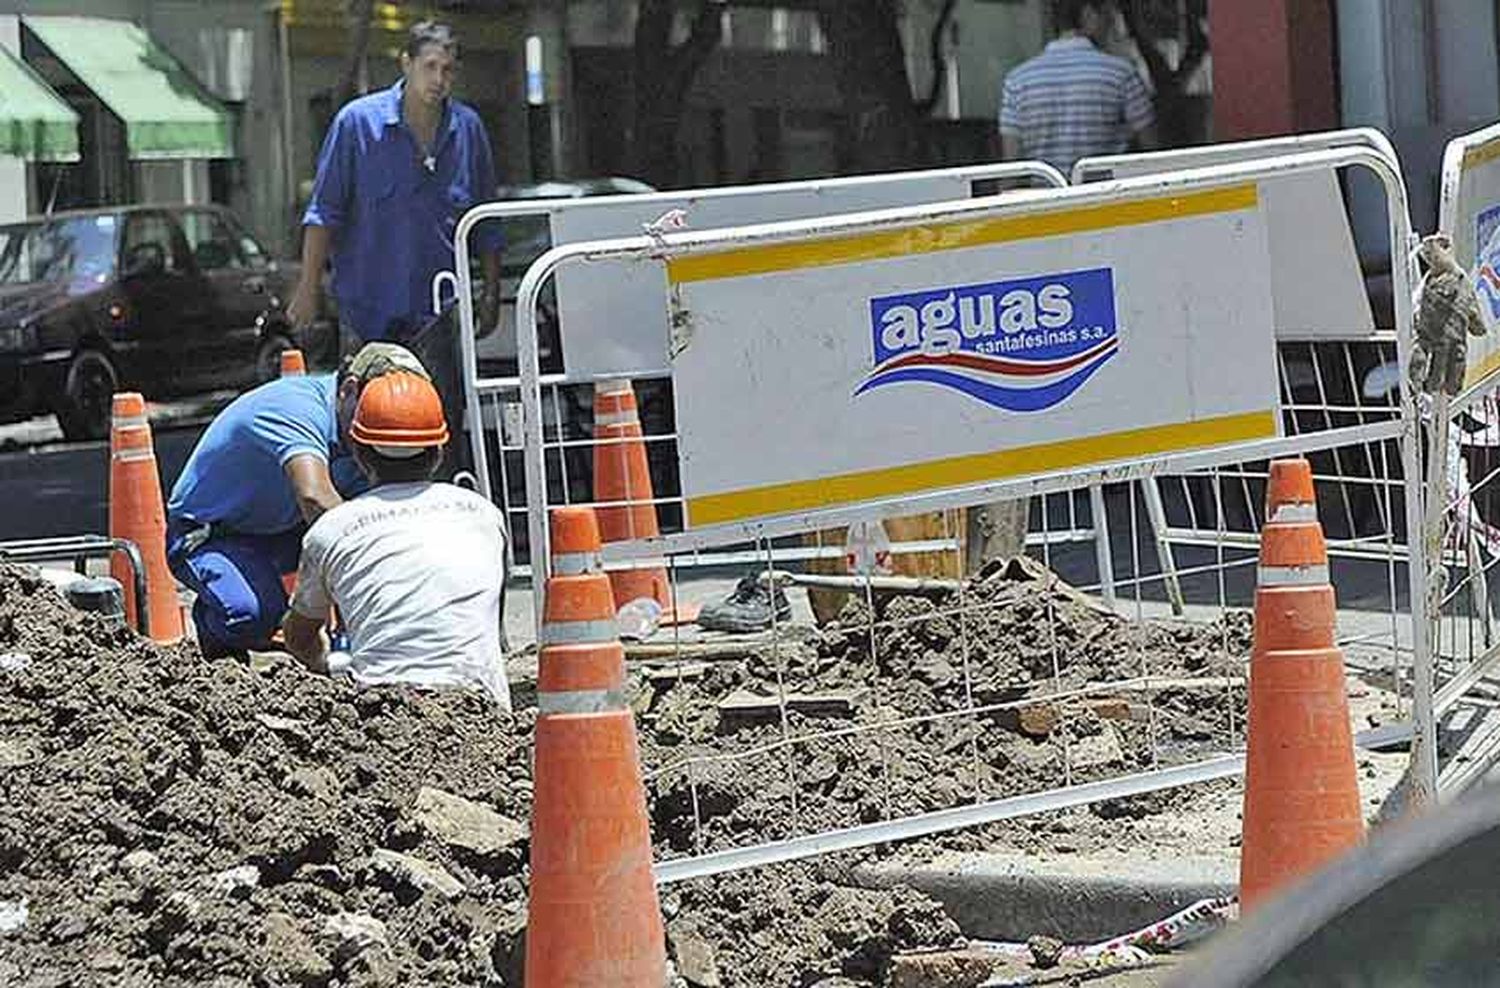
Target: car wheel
column 268, row 358
column 89, row 386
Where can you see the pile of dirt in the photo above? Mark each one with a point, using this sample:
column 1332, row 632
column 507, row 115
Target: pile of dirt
column 173, row 820
column 1042, row 687
column 796, row 925
column 170, row 820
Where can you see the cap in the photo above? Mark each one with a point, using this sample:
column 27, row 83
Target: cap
column 376, row 359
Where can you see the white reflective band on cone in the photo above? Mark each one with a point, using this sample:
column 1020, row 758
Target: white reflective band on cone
column 1291, row 576
column 130, row 422
column 1295, row 512
column 580, row 632
column 580, row 702
column 132, row 455
column 617, row 418
column 576, row 563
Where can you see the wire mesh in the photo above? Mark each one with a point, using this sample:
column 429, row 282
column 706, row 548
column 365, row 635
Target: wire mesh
column 1019, row 680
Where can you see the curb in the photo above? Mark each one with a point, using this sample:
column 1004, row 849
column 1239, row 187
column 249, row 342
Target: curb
column 1012, row 897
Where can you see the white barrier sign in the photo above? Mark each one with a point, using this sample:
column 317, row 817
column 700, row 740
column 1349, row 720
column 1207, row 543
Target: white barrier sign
column 1470, row 214
column 1038, row 338
column 1318, row 289
column 610, row 311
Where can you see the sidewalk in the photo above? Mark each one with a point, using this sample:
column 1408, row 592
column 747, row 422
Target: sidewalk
column 42, row 432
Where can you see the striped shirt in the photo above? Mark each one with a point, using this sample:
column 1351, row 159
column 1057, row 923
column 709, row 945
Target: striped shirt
column 1072, row 101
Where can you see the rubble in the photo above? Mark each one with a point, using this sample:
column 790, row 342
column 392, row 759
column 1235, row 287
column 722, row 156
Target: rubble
column 13, row 916
column 414, row 873
column 466, row 826
column 177, row 821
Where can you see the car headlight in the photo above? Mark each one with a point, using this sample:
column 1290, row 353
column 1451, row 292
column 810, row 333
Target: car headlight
column 17, row 339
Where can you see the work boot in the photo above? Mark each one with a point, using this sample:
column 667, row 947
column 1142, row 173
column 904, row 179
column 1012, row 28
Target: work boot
column 750, row 607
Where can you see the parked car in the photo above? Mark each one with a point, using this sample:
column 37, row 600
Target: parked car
column 168, row 300
column 1418, row 905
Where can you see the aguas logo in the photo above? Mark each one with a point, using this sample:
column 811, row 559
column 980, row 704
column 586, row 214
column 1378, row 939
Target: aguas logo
column 1486, row 276
column 1023, row 345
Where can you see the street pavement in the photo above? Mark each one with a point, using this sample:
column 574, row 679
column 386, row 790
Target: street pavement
column 49, row 487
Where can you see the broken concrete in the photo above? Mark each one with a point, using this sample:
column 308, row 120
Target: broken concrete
column 465, row 825
column 1076, row 899
column 423, row 876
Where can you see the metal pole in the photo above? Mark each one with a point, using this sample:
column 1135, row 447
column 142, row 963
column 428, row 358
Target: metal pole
column 1157, row 513
column 1101, row 545
column 1420, row 538
column 534, row 457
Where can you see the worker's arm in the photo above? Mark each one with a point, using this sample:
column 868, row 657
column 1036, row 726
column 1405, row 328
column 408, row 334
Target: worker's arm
column 306, row 640
column 312, row 486
column 489, row 305
column 303, row 309
column 332, row 197
column 1010, row 147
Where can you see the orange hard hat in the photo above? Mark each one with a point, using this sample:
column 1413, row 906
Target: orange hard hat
column 399, row 414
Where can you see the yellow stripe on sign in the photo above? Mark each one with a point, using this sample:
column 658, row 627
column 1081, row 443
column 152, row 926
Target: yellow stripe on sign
column 873, row 485
column 954, row 235
column 1478, row 372
column 1481, row 154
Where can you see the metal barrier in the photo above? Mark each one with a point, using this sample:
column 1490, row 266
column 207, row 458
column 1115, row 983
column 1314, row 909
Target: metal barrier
column 78, row 549
column 1327, row 315
column 1462, row 515
column 494, row 402
column 783, row 755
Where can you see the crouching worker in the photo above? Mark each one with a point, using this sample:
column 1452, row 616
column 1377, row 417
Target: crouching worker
column 416, row 569
column 266, row 468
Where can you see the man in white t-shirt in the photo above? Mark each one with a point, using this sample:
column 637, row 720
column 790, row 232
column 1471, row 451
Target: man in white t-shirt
column 415, row 568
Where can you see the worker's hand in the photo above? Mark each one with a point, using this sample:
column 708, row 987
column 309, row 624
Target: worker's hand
column 303, row 308
column 488, row 316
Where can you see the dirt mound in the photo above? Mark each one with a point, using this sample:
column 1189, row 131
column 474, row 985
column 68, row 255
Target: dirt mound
column 173, row 820
column 170, row 820
column 1012, row 639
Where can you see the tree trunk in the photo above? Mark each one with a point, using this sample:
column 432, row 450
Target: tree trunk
column 662, row 75
column 654, row 142
column 885, row 125
column 1173, row 124
column 357, row 14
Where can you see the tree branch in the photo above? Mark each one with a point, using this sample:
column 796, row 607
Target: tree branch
column 1197, row 45
column 357, row 15
column 935, row 52
column 1156, row 64
column 704, row 36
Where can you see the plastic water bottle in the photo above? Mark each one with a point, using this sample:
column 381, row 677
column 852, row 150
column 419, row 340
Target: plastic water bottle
column 639, row 619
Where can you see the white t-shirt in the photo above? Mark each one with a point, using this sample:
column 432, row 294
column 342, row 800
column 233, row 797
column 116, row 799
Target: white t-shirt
column 417, row 572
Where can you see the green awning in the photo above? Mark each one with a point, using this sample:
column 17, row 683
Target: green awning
column 166, row 113
column 35, row 123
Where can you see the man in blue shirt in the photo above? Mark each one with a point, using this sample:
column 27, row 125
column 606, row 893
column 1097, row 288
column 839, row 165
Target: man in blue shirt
column 397, row 170
column 267, row 467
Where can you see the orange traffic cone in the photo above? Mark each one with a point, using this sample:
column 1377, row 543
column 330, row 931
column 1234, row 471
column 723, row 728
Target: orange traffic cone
column 1302, row 805
column 136, row 513
column 593, row 916
column 621, row 475
column 292, row 363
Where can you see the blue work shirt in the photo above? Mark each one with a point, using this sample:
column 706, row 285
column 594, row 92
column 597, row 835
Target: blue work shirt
column 392, row 215
column 236, row 477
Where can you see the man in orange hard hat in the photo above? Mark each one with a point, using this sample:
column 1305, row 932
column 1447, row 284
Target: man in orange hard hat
column 416, row 568
column 266, row 468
